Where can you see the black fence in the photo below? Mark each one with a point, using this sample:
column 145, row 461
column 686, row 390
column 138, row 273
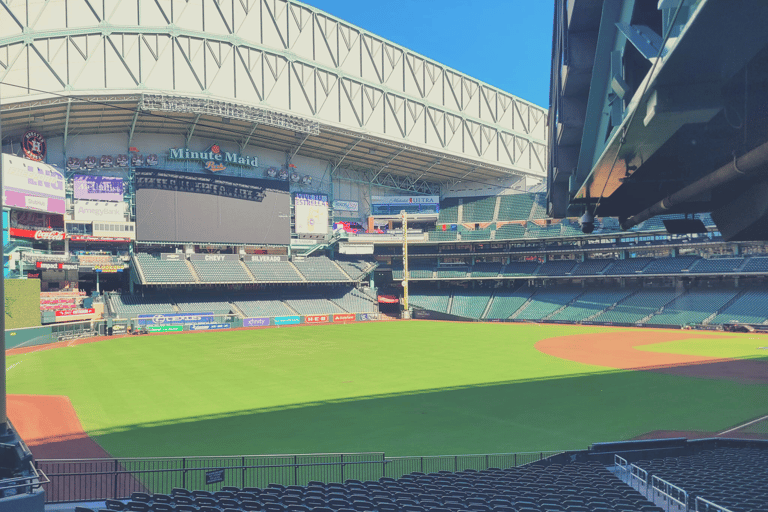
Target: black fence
column 101, row 479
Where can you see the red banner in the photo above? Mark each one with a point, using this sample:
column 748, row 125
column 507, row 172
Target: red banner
column 75, row 312
column 316, row 319
column 388, row 299
column 37, row 234
column 349, row 317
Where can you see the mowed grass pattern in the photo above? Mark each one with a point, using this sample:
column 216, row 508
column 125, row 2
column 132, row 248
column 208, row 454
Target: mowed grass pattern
column 405, row 388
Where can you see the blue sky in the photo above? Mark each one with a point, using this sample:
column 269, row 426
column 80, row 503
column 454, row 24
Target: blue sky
column 505, row 43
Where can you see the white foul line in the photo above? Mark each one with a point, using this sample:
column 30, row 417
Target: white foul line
column 744, row 425
column 14, row 364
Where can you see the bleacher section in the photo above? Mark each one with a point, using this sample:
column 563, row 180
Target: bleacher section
column 320, row 269
column 716, row 266
column 355, row 301
column 486, row 269
column 547, row 301
column 628, row 266
column 217, row 307
column 693, row 308
column 670, row 265
column 515, row 206
column 449, row 211
column 733, row 478
column 356, row 269
column 264, row 308
column 637, row 307
column 504, row 304
column 221, row 272
column 556, row 268
column 478, row 209
column 756, row 264
column 442, row 236
column 468, row 304
column 589, row 304
column 510, row 232
column 539, row 207
column 156, row 270
column 313, row 305
column 590, row 267
column 435, row 301
column 520, row 268
column 129, row 306
column 274, row 271
column 479, row 234
column 451, row 272
column 750, row 308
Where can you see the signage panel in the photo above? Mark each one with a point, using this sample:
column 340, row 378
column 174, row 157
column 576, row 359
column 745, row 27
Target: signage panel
column 39, row 234
column 99, row 210
column 214, row 476
column 103, row 239
column 255, row 322
column 103, row 188
column 311, row 213
column 345, row 206
column 32, row 185
column 165, row 328
column 44, row 265
column 171, row 256
column 405, row 200
column 214, row 257
column 108, row 269
column 365, row 317
column 208, row 327
column 315, row 319
column 287, row 320
column 75, row 312
column 249, row 189
column 348, row 317
column 266, row 258
column 175, row 318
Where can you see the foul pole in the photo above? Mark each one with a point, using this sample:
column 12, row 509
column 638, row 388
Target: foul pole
column 406, row 275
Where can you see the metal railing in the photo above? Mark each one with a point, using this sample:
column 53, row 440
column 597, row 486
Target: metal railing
column 101, row 479
column 669, row 496
column 703, row 505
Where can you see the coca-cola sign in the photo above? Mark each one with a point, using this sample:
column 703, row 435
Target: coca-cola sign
column 39, row 234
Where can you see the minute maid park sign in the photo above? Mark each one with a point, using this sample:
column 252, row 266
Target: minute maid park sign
column 213, row 160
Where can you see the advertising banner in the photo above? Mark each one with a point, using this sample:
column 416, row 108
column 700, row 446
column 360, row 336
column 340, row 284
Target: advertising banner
column 214, row 257
column 37, row 234
column 388, row 299
column 405, row 199
column 171, row 256
column 287, row 320
column 108, row 269
column 311, row 213
column 102, row 239
column 175, row 318
column 76, row 312
column 345, row 206
column 32, row 185
column 214, row 476
column 165, row 328
column 119, row 329
column 102, row 188
column 36, row 220
column 99, row 210
column 315, row 319
column 45, row 265
column 208, row 327
column 348, row 317
column 365, row 317
column 266, row 258
column 255, row 322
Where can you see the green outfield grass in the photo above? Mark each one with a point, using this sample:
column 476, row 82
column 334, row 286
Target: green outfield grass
column 738, row 346
column 405, row 388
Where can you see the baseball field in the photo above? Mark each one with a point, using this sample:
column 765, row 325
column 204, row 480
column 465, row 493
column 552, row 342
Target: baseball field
column 404, row 388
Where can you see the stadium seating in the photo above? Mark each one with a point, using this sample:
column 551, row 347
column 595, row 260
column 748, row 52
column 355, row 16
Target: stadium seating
column 449, row 211
column 478, row 209
column 156, row 270
column 509, row 232
column 468, row 304
column 313, row 305
column 546, row 301
column 436, row 300
column 750, row 308
column 355, row 301
column 320, row 269
column 638, row 306
column 590, row 267
column 670, row 265
column 264, row 308
column 451, row 272
column 716, row 266
column 221, row 272
column 628, row 267
column 589, row 304
column 515, row 206
column 479, row 234
column 756, row 264
column 218, row 307
column 539, row 210
column 556, row 268
column 734, row 478
column 486, row 269
column 129, row 306
column 693, row 307
column 356, row 269
column 505, row 304
column 274, row 272
column 520, row 268
column 533, row 230
column 442, row 236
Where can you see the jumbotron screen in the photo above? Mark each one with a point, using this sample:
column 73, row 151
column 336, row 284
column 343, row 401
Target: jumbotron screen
column 185, row 207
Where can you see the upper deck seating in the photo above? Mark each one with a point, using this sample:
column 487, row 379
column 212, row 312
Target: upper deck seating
column 156, row 270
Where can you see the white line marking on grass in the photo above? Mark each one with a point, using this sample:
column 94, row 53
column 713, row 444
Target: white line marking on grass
column 14, row 364
column 742, row 426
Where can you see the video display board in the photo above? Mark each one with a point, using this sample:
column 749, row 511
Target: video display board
column 32, row 185
column 311, row 213
column 102, row 188
column 185, row 207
